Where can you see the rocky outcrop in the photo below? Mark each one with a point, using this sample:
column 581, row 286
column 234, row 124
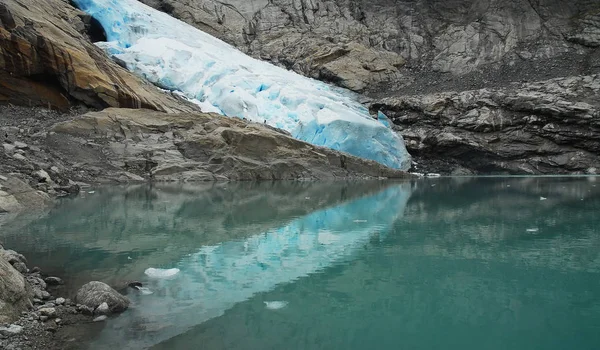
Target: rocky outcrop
column 141, row 144
column 16, row 195
column 101, row 298
column 47, row 59
column 548, row 127
column 375, row 46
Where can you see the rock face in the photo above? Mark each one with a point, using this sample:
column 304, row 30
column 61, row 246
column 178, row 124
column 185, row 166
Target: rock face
column 15, row 293
column 548, row 127
column 95, row 294
column 365, row 45
column 199, row 147
column 47, row 60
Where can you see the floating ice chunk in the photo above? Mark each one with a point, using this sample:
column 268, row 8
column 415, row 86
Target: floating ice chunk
column 543, row 198
column 221, row 79
column 161, row 273
column 145, row 291
column 360, row 221
column 91, row 192
column 532, row 230
column 275, row 305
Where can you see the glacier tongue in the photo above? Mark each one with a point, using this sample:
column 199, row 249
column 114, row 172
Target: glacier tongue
column 178, row 57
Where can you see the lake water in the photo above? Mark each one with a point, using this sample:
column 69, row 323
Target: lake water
column 452, row 263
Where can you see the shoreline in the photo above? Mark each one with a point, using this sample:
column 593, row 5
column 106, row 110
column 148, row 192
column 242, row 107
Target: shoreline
column 42, row 319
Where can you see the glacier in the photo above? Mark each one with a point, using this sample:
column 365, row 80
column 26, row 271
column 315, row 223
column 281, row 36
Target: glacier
column 216, row 277
column 219, row 78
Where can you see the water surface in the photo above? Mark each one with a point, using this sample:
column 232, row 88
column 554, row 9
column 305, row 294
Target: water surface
column 459, row 263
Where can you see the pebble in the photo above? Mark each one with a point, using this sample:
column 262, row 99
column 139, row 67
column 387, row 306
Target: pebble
column 45, row 295
column 43, row 318
column 35, row 269
column 60, row 301
column 58, row 320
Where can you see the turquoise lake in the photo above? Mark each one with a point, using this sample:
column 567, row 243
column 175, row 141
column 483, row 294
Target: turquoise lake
column 439, row 263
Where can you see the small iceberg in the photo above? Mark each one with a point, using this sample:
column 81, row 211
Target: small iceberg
column 543, row 198
column 275, row 305
column 532, row 230
column 161, row 273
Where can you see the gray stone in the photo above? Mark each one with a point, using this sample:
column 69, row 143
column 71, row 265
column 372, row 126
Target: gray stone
column 11, row 330
column 100, row 318
column 95, row 293
column 102, row 309
column 42, row 176
column 44, row 318
column 48, row 311
column 20, row 145
column 8, row 148
column 20, row 157
column 53, row 281
column 45, row 295
column 19, row 266
column 60, row 301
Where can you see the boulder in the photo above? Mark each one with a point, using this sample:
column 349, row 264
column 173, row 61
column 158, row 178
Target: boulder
column 15, row 293
column 93, row 294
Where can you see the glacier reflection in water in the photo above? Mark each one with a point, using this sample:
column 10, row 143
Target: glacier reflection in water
column 217, row 277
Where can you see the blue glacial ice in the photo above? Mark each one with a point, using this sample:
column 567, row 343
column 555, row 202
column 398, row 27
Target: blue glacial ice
column 221, row 79
column 217, row 277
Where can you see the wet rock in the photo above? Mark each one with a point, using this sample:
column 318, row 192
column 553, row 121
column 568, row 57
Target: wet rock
column 60, row 301
column 53, row 281
column 95, row 293
column 85, row 310
column 35, row 269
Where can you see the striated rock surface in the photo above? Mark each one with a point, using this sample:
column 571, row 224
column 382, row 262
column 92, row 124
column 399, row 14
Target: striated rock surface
column 547, row 127
column 199, row 147
column 47, row 59
column 374, row 46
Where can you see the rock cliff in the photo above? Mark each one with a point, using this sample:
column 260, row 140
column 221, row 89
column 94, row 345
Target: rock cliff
column 374, row 46
column 47, row 59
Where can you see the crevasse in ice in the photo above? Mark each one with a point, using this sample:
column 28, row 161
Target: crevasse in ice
column 178, row 57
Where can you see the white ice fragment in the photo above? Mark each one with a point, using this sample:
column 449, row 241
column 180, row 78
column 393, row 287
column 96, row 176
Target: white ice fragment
column 275, row 305
column 433, row 175
column 532, row 229
column 145, row 291
column 358, row 221
column 543, row 198
column 161, row 273
column 91, row 192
